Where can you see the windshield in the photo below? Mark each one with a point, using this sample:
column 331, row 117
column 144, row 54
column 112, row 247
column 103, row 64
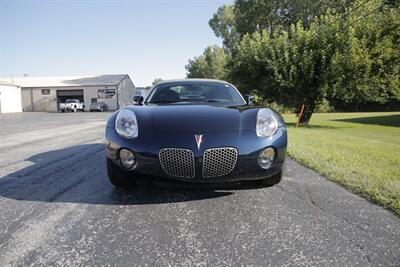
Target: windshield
column 71, row 101
column 196, row 92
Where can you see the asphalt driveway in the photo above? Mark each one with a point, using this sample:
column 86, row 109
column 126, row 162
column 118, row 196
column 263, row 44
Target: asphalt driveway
column 58, row 208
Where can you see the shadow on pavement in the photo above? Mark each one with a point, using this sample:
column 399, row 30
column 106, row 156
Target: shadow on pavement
column 77, row 174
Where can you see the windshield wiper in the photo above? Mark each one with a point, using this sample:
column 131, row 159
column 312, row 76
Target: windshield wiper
column 204, row 100
column 164, row 101
column 212, row 100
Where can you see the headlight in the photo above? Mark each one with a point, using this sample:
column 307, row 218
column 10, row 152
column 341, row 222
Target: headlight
column 126, row 124
column 267, row 124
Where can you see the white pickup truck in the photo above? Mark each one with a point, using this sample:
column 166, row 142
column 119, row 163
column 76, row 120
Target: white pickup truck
column 72, row 105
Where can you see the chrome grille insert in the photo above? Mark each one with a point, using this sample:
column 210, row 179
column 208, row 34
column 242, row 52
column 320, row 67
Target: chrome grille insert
column 177, row 162
column 219, row 161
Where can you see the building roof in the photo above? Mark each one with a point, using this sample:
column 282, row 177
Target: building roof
column 67, row 81
column 8, row 84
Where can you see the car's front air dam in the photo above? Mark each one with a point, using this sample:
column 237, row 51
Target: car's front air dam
column 147, row 148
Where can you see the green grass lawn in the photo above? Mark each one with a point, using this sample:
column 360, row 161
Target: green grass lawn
column 360, row 151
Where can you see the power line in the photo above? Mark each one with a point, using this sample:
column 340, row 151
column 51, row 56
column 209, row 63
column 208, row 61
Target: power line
column 347, row 13
column 366, row 15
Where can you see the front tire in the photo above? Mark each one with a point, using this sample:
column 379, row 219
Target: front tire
column 118, row 176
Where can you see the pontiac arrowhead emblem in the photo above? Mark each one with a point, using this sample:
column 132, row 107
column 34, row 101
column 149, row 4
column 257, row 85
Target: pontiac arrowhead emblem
column 199, row 140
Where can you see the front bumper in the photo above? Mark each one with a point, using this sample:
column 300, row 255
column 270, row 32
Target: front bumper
column 146, row 149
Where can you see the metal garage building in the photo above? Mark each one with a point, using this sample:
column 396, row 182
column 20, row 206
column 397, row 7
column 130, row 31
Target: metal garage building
column 10, row 98
column 46, row 93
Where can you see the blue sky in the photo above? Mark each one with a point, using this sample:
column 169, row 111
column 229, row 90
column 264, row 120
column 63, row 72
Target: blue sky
column 146, row 39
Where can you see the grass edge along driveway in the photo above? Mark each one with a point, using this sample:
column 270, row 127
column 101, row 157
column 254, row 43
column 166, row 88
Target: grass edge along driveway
column 360, row 151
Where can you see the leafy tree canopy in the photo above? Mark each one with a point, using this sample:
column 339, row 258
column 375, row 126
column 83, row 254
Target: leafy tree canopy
column 157, row 80
column 305, row 52
column 211, row 64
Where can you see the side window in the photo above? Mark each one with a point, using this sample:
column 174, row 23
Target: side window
column 45, row 91
column 105, row 93
column 109, row 93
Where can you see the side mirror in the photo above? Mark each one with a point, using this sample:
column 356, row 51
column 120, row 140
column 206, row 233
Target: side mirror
column 138, row 99
column 249, row 99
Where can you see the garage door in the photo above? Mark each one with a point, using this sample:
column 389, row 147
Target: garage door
column 63, row 95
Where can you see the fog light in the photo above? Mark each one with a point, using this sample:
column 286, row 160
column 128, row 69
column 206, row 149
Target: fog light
column 266, row 158
column 127, row 158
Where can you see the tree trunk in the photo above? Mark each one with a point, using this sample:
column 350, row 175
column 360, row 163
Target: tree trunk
column 307, row 112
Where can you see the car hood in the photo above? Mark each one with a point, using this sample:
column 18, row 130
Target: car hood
column 194, row 118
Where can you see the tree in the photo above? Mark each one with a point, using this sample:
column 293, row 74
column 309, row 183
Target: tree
column 355, row 59
column 222, row 23
column 367, row 69
column 156, row 80
column 232, row 22
column 304, row 52
column 211, row 64
column 293, row 66
column 257, row 15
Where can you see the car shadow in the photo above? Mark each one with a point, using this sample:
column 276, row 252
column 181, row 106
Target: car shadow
column 77, row 174
column 388, row 120
column 309, row 126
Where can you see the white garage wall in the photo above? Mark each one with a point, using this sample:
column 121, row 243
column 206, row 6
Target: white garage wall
column 48, row 103
column 92, row 92
column 26, row 95
column 126, row 92
column 34, row 100
column 10, row 99
column 44, row 102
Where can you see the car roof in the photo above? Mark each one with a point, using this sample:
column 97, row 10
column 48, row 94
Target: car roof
column 193, row 80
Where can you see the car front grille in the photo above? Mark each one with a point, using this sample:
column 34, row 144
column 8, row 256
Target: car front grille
column 177, row 162
column 219, row 161
column 180, row 162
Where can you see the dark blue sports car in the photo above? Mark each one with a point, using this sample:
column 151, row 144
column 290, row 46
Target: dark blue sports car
column 195, row 130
